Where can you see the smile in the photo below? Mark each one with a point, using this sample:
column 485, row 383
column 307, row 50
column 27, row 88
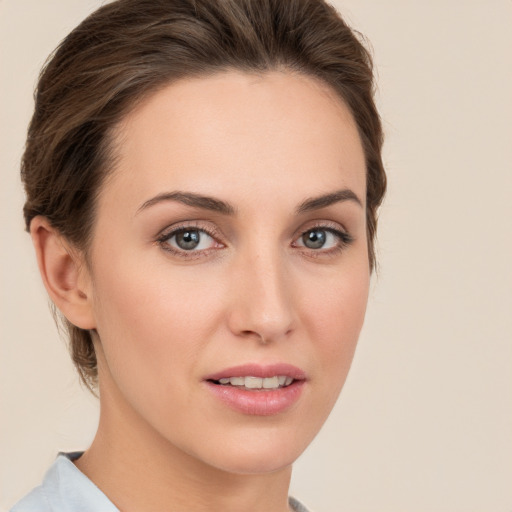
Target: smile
column 275, row 382
column 258, row 390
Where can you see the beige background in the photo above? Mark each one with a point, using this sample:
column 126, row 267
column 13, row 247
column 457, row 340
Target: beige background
column 425, row 419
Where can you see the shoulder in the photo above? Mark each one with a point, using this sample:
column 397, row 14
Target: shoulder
column 65, row 489
column 34, row 501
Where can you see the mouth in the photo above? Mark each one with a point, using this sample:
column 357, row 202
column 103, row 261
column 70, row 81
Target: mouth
column 251, row 383
column 258, row 390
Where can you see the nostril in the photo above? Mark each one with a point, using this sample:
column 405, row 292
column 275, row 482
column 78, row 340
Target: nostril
column 256, row 335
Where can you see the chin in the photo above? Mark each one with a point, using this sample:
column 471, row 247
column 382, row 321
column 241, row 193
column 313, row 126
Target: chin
column 259, row 454
column 244, row 462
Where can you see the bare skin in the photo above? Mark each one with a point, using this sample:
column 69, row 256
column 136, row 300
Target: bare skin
column 279, row 275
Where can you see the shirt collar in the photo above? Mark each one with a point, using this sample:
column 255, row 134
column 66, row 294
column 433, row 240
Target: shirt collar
column 67, row 488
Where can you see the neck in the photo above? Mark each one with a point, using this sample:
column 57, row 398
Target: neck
column 139, row 470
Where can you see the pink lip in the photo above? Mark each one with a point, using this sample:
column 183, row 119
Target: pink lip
column 260, row 402
column 258, row 370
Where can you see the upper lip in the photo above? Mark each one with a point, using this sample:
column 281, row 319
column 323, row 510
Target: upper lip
column 259, row 370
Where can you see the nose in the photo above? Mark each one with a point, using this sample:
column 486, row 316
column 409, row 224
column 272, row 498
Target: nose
column 262, row 305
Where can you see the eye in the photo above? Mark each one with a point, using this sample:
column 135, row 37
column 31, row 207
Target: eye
column 316, row 239
column 187, row 240
column 190, row 239
column 323, row 238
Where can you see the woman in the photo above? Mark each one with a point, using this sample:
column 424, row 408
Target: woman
column 202, row 183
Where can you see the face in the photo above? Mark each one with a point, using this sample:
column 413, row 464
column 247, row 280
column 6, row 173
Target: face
column 229, row 269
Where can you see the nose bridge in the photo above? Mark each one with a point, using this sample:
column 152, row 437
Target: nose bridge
column 263, row 303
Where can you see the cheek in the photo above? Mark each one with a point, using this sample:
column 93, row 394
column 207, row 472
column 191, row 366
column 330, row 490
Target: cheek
column 337, row 309
column 336, row 315
column 148, row 321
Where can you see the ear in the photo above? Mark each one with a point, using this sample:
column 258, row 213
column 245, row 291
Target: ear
column 64, row 274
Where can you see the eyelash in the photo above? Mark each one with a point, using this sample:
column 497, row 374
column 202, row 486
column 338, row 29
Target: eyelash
column 189, row 226
column 345, row 239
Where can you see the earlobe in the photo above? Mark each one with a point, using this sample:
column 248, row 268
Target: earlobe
column 63, row 274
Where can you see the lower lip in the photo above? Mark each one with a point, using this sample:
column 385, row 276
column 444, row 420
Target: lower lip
column 264, row 402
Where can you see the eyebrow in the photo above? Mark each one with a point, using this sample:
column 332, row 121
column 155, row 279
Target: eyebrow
column 316, row 203
column 191, row 199
column 219, row 206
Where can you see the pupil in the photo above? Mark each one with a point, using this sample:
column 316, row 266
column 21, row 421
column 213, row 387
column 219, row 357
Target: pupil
column 314, row 239
column 187, row 240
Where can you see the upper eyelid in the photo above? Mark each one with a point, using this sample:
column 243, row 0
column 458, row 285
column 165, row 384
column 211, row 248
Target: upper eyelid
column 322, row 224
column 345, row 237
column 168, row 231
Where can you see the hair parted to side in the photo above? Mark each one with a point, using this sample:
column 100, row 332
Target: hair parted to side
column 129, row 48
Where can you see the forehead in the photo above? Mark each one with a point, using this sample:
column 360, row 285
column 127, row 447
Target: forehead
column 239, row 133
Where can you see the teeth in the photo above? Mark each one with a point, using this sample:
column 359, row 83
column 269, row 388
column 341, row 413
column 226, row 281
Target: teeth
column 271, row 383
column 276, row 382
column 253, row 382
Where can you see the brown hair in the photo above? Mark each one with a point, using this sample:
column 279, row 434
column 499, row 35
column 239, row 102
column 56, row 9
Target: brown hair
column 129, row 48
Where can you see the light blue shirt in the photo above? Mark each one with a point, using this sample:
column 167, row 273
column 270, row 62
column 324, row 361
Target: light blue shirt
column 66, row 489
